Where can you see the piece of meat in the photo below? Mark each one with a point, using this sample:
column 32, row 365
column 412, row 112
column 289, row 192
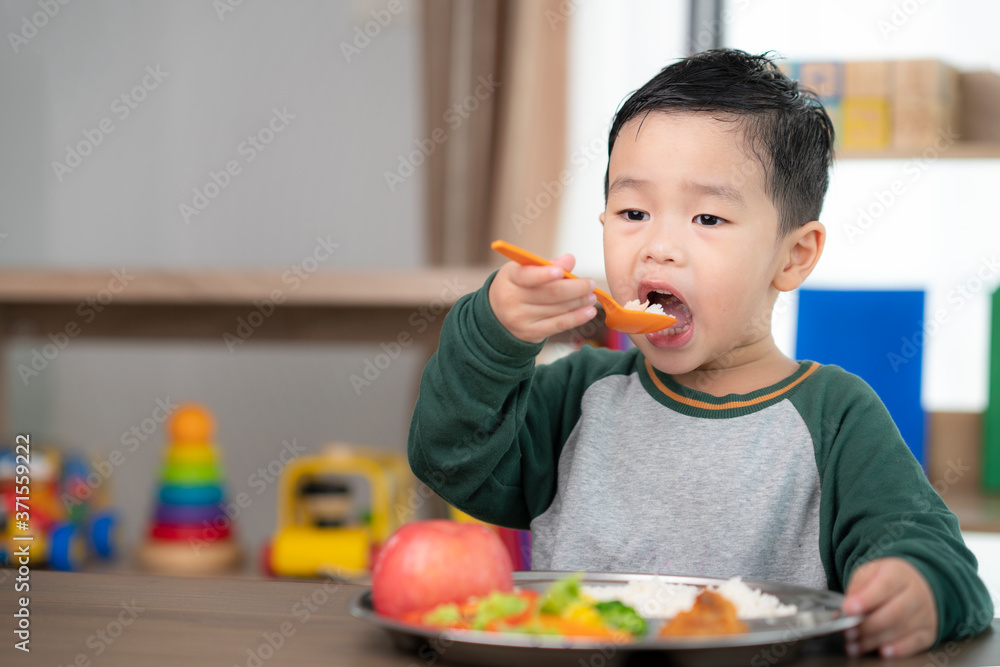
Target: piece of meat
column 712, row 614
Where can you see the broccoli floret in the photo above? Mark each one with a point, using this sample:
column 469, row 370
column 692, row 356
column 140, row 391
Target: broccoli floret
column 618, row 615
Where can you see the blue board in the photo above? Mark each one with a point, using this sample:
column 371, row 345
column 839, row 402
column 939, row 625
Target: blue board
column 877, row 335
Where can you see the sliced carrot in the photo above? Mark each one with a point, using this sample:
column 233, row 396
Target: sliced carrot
column 530, row 611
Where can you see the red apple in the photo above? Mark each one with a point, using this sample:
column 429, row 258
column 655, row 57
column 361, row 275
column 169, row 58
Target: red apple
column 427, row 563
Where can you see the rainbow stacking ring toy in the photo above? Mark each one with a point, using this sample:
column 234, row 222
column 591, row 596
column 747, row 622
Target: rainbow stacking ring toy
column 190, row 532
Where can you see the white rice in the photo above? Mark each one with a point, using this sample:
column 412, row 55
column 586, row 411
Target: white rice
column 646, row 306
column 654, row 598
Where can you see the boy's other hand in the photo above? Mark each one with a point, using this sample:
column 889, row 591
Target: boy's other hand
column 901, row 613
column 535, row 302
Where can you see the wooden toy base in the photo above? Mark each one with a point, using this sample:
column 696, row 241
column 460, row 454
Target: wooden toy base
column 181, row 558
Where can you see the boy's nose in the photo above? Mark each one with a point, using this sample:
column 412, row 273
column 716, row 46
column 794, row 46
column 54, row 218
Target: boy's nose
column 663, row 248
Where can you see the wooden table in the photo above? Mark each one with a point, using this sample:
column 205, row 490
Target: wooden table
column 107, row 620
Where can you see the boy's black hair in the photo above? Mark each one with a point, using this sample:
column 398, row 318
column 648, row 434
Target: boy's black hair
column 785, row 128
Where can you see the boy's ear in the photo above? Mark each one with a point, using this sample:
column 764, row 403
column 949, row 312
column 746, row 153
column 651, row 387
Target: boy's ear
column 800, row 251
column 602, row 218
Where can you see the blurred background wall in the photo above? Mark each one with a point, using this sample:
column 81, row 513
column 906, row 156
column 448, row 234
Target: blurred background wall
column 221, row 74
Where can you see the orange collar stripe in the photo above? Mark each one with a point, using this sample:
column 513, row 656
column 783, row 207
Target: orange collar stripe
column 722, row 406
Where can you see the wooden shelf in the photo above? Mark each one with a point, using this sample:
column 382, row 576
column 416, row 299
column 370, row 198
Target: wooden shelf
column 359, row 306
column 373, row 289
column 229, row 308
column 962, row 150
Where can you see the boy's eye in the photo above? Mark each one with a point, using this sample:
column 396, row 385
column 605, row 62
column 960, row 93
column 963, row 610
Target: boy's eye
column 707, row 220
column 635, row 216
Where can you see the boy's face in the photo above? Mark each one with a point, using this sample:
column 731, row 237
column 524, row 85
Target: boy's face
column 687, row 214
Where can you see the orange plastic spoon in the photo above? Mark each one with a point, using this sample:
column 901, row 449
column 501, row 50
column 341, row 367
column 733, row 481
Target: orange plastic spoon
column 616, row 316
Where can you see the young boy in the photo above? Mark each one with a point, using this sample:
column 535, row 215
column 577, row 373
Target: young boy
column 703, row 450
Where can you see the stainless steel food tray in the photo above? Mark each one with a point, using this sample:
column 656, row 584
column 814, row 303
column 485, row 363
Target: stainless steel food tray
column 767, row 642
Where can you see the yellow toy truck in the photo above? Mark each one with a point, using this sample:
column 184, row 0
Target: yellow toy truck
column 335, row 510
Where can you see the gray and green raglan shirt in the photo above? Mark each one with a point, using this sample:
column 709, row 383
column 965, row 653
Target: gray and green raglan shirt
column 617, row 467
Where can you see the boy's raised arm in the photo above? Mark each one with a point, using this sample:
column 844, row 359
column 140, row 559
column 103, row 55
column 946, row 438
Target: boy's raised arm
column 468, row 440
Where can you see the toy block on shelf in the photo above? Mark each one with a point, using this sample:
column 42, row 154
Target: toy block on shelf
column 866, row 123
column 868, row 78
column 826, row 79
column 925, row 104
column 867, row 109
column 924, row 78
column 923, row 124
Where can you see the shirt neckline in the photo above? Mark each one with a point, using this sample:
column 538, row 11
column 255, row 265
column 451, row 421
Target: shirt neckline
column 671, row 393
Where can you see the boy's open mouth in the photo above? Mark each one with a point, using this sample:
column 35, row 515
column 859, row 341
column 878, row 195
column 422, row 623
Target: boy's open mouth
column 672, row 305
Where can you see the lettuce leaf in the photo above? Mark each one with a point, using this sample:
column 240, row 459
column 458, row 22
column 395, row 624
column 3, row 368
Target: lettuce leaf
column 561, row 594
column 497, row 606
column 443, row 615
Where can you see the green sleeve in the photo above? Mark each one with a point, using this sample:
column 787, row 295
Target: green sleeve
column 877, row 502
column 486, row 430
